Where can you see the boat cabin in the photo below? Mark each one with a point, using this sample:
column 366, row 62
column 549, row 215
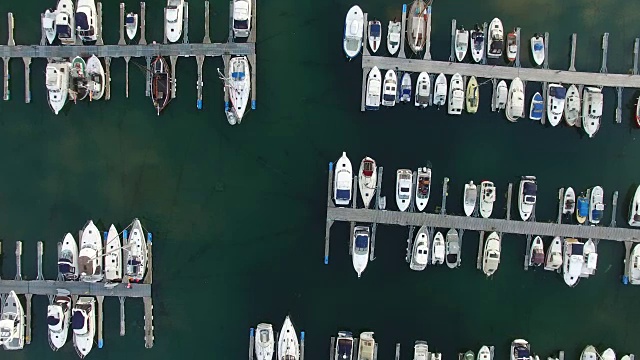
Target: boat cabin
column 344, row 349
column 529, row 193
column 521, row 353
column 85, row 26
column 241, row 18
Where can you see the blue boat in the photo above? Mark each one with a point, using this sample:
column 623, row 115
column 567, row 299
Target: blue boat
column 537, row 107
column 582, row 208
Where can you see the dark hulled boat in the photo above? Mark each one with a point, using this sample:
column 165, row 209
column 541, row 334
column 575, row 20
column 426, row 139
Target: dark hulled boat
column 160, row 83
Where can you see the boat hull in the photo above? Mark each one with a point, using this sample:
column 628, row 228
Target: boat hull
column 353, row 32
column 495, row 43
column 515, row 101
column 264, row 342
column 452, row 251
column 137, row 255
column 239, row 86
column 113, row 257
column 343, row 181
column 440, row 90
column 367, row 180
column 438, row 253
column 423, row 90
column 173, row 19
column 288, row 347
column 473, row 95
column 469, row 198
column 634, row 209
column 456, row 95
column 420, row 251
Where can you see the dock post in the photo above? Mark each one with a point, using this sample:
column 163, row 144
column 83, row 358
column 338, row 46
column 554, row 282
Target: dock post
column 122, row 41
column 254, row 88
column 174, row 80
column 122, row 322
column 107, row 78
column 230, row 38
column 40, row 251
column 526, row 253
column 452, row 56
column 5, row 60
column 148, row 75
column 403, row 28
column 545, row 63
column 374, row 226
column 445, row 192
column 18, row 260
column 427, row 45
column 509, row 191
column 43, row 36
column 126, row 76
column 560, row 204
column 143, row 40
column 27, row 337
column 148, row 301
column 574, row 43
column 545, row 87
column 59, row 277
column 354, row 199
column 100, row 321
column 494, row 94
column 480, row 251
column 27, row 81
column 397, row 351
column 605, row 48
column 375, row 352
column 636, row 48
column 302, row 345
column 627, row 263
column 619, row 107
column 200, row 83
column 164, row 28
column 185, row 23
column 100, row 41
column 251, row 343
column 225, row 61
column 11, row 41
column 365, row 47
column 329, row 222
column 614, row 208
column 332, row 348
column 517, row 47
column 254, row 18
column 485, row 31
column 207, row 39
column 365, row 72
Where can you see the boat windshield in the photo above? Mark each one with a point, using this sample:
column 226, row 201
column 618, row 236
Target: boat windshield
column 241, row 24
column 343, row 194
column 362, row 244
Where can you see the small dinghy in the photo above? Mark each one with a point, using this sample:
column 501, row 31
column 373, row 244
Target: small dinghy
column 405, row 88
column 634, row 209
column 367, row 180
column 502, row 95
column 591, row 110
column 596, row 205
column 353, row 32
column 477, row 44
column 487, row 198
column 452, row 253
column 469, row 198
column 569, row 202
column 393, row 37
column 553, row 260
column 423, row 90
column 582, row 208
column 374, row 90
column 423, row 187
column 440, row 90
column 389, row 88
column 438, row 252
column 374, row 35
column 537, row 107
column 462, row 43
column 131, row 24
column 342, row 181
column 456, row 95
column 572, row 106
column 536, row 253
column 491, row 258
column 537, row 49
column 515, row 101
column 555, row 103
column 420, row 252
column 49, row 25
column 473, row 95
column 512, row 46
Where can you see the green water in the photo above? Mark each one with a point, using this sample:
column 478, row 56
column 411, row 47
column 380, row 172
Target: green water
column 238, row 212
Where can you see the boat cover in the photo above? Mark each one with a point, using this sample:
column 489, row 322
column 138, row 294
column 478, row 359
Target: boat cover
column 131, row 19
column 496, row 46
column 343, row 194
column 538, row 257
column 577, row 249
column 558, row 92
column 238, row 75
column 538, row 46
column 596, row 214
column 81, row 21
column 63, row 31
column 537, row 109
column 52, row 320
column 78, row 320
column 344, row 349
column 375, row 30
column 65, row 268
column 530, row 189
column 362, row 242
column 522, row 353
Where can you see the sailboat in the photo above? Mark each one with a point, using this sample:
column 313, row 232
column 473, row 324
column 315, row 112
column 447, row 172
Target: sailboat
column 596, row 205
column 90, row 257
column 242, row 18
column 49, row 25
column 582, row 208
column 113, row 257
column 264, row 342
column 86, row 21
column 404, row 183
column 367, row 346
column 634, row 209
column 367, row 180
column 537, row 107
column 59, row 320
column 423, row 90
column 440, row 90
column 57, row 83
column 537, row 49
column 572, row 106
column 417, row 18
column 438, row 250
column 423, row 187
column 344, row 346
column 353, row 32
column 389, row 88
column 343, row 181
column 491, row 257
column 496, row 39
column 375, row 35
column 462, row 43
column 12, row 323
column 469, row 198
column 374, row 89
column 512, row 46
column 405, row 88
column 473, row 95
column 131, row 25
column 502, row 94
column 536, row 252
column 553, row 259
column 591, row 110
column 569, row 202
column 573, row 259
column 393, row 37
column 65, row 23
column 477, row 44
column 456, row 95
column 452, row 251
column 555, row 103
column 136, row 253
column 84, row 325
column 95, row 75
column 288, row 348
column 239, row 87
column 527, row 196
column 173, row 20
column 515, row 101
column 420, row 251
column 160, row 83
column 487, row 198
column 361, row 248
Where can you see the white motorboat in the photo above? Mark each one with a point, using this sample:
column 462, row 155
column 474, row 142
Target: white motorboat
column 440, row 90
column 374, row 89
column 344, row 346
column 264, row 342
column 589, row 353
column 634, row 209
column 572, row 106
column 512, row 46
column 59, row 321
column 502, row 94
column 393, row 37
column 361, row 248
column 452, row 251
column 367, row 346
column 596, row 205
column 520, row 350
column 456, row 95
column 241, row 18
column 420, row 251
column 477, row 44
column 353, row 32
column 423, row 90
column 462, row 43
column 473, row 95
column 590, row 254
column 496, row 39
column 86, row 20
column 491, row 257
column 634, row 265
column 90, row 257
column 569, row 202
column 484, row 353
column 470, row 198
column 626, row 357
column 68, row 260
column 65, row 23
column 609, row 354
column 421, row 350
column 49, row 25
column 57, row 82
column 527, row 196
column 423, row 187
column 375, row 35
column 238, row 86
column 515, row 101
column 288, row 348
column 173, row 17
column 404, row 183
column 83, row 323
column 487, row 198
column 96, row 79
column 136, row 253
column 573, row 259
column 536, row 252
column 417, row 18
column 555, row 103
column 113, row 256
column 536, row 110
column 12, row 323
column 438, row 249
column 367, row 180
column 591, row 110
column 537, row 49
column 405, row 88
column 389, row 89
column 553, row 259
column 131, row 25
column 343, row 181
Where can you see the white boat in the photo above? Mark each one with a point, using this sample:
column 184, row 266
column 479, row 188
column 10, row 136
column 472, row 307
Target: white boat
column 367, row 180
column 590, row 254
column 634, row 265
column 421, row 350
column 367, row 346
column 634, row 209
column 477, row 44
column 462, row 43
column 491, row 257
column 374, row 89
column 515, row 100
column 417, row 18
column 596, row 205
column 361, row 248
column 288, row 348
column 573, row 259
column 49, row 25
column 520, row 350
column 496, row 39
column 86, row 20
column 591, row 110
column 344, row 346
column 393, row 37
column 404, row 183
column 512, row 46
column 12, row 323
column 57, row 82
column 83, row 323
column 423, row 187
column 343, row 181
column 452, row 251
column 589, row 353
column 423, row 90
column 353, row 32
column 113, row 255
column 131, row 25
column 136, row 253
column 469, row 198
column 438, row 249
column 264, row 342
column 440, row 90
column 173, row 17
column 569, row 202
column 473, row 95
column 537, row 49
column 572, row 106
column 536, row 252
column 241, row 18
column 68, row 258
column 527, row 196
column 390, row 88
column 239, row 86
column 609, row 354
column 90, row 257
column 502, row 95
column 487, row 198
column 65, row 23
column 626, row 357
column 553, row 260
column 375, row 35
column 456, row 95
column 59, row 321
column 420, row 251
column 484, row 353
column 555, row 103
column 405, row 88
column 96, row 79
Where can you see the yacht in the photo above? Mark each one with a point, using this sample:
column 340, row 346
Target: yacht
column 536, row 252
column 367, row 180
column 374, row 89
column 343, row 181
column 589, row 353
column 65, row 23
column 569, row 202
column 160, row 83
column 634, row 265
column 487, row 198
column 86, row 21
column 634, row 209
column 95, row 74
column 405, row 88
column 58, row 320
column 491, row 258
column 375, row 35
column 389, row 88
column 421, row 350
column 49, row 25
column 537, row 107
column 537, row 49
column 353, row 32
column 596, row 205
column 344, row 346
column 590, row 254
column 239, row 86
column 462, row 43
column 68, row 258
column 423, row 187
column 469, row 198
column 12, row 323
column 241, row 18
column 473, row 95
column 477, row 44
column 572, row 106
column 90, row 257
column 288, row 342
column 131, row 25
column 520, row 350
column 361, row 248
column 404, row 182
column 136, row 253
column 78, row 88
column 57, row 82
column 484, row 353
column 582, row 208
column 438, row 249
column 515, row 101
column 553, row 259
column 367, row 346
column 83, row 323
column 264, row 342
column 502, row 94
column 496, row 39
column 420, row 251
column 417, row 18
column 393, row 37
column 512, row 46
column 527, row 196
column 555, row 103
column 440, row 90
column 452, row 251
column 113, row 256
column 573, row 259
column 423, row 90
column 591, row 110
column 608, row 354
column 173, row 16
column 456, row 95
